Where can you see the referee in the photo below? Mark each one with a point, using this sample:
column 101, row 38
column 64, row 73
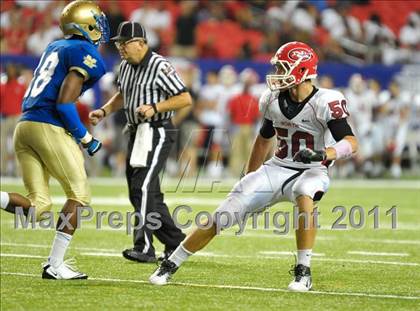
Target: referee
column 149, row 90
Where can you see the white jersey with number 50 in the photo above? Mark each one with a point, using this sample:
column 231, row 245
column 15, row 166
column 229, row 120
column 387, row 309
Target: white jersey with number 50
column 307, row 128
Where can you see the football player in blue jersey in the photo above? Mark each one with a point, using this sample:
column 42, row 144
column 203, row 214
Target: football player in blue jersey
column 46, row 138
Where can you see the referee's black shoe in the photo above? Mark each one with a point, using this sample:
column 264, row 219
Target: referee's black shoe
column 136, row 255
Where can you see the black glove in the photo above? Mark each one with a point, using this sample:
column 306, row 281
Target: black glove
column 307, row 156
column 93, row 146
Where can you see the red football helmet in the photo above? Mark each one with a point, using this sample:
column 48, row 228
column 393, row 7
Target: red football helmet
column 295, row 62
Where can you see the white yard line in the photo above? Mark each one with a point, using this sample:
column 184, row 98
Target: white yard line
column 48, row 246
column 101, row 254
column 377, row 253
column 21, row 255
column 387, row 241
column 261, row 255
column 124, row 201
column 233, row 287
column 287, row 253
column 272, row 235
column 396, row 263
column 189, row 183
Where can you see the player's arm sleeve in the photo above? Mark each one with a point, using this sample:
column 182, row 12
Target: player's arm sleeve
column 66, row 108
column 169, row 81
column 267, row 129
column 70, row 117
column 339, row 129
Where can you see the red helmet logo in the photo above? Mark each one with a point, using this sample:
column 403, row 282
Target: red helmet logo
column 300, row 53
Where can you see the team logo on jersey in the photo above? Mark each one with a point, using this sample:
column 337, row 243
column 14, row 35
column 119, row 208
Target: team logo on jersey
column 300, row 53
column 89, row 61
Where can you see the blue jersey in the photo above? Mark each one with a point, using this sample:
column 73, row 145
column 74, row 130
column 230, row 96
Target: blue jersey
column 59, row 58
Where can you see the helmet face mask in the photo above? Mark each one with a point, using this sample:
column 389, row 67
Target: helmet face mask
column 85, row 18
column 295, row 62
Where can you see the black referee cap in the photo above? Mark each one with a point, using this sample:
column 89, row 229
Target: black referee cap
column 129, row 30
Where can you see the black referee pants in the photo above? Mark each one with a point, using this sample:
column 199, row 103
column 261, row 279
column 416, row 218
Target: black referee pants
column 146, row 196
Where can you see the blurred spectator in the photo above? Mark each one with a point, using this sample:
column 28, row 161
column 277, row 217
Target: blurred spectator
column 398, row 103
column 155, row 18
column 360, row 103
column 230, row 87
column 11, row 96
column 413, row 137
column 46, row 33
column 238, row 29
column 34, row 4
column 410, row 32
column 212, row 10
column 210, row 139
column 376, row 32
column 112, row 129
column 279, row 12
column 244, row 114
column 16, row 32
column 185, row 31
column 186, row 121
column 271, row 42
column 346, row 30
column 341, row 24
column 304, row 17
column 325, row 82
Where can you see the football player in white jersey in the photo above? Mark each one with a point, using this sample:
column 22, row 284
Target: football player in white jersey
column 311, row 130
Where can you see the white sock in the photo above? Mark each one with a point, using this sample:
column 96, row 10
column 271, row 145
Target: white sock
column 179, row 255
column 4, row 200
column 304, row 257
column 59, row 247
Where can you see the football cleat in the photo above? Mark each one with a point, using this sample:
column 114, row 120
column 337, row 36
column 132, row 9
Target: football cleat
column 65, row 271
column 135, row 255
column 303, row 279
column 165, row 255
column 164, row 273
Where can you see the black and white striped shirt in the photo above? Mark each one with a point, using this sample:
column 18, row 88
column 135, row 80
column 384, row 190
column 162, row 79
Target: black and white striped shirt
column 150, row 82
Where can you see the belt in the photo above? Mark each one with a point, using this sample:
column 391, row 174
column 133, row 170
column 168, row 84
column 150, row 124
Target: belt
column 155, row 124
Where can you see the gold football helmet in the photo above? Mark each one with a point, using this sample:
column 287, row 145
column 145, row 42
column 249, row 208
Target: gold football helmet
column 85, row 18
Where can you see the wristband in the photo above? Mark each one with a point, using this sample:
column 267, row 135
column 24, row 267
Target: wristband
column 154, row 108
column 343, row 149
column 104, row 111
column 86, row 139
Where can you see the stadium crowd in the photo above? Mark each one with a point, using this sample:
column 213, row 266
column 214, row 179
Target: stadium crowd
column 220, row 129
column 354, row 32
